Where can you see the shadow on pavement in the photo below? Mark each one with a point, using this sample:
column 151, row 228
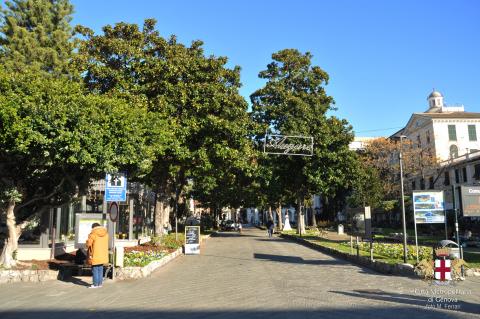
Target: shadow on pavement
column 350, row 312
column 444, row 300
column 75, row 281
column 231, row 234
column 298, row 260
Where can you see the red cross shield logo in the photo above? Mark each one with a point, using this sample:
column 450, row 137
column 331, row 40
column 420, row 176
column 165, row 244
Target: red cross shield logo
column 443, row 269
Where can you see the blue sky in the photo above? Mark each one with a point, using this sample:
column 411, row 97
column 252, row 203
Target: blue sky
column 383, row 57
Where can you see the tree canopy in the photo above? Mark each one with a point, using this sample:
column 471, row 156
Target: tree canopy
column 294, row 102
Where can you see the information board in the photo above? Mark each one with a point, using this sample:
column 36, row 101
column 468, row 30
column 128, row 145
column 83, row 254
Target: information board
column 83, row 227
column 428, row 207
column 470, row 200
column 192, row 240
column 115, row 187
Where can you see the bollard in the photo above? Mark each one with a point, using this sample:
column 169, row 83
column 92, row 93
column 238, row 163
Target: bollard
column 371, row 250
column 351, row 245
column 358, row 249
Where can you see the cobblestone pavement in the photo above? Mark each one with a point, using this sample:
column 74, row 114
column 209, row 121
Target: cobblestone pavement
column 247, row 276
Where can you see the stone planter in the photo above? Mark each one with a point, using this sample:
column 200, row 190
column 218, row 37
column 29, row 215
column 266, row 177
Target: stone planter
column 126, row 273
column 7, row 276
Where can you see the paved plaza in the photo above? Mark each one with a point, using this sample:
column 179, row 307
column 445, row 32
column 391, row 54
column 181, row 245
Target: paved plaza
column 247, row 276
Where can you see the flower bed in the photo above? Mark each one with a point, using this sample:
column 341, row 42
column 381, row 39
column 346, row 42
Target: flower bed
column 395, row 251
column 156, row 249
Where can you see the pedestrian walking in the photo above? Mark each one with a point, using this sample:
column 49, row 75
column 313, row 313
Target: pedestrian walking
column 240, row 228
column 97, row 246
column 270, row 228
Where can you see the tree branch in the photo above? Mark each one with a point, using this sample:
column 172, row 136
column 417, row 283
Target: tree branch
column 55, row 191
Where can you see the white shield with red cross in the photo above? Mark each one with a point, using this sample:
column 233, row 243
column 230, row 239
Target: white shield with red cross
column 443, row 269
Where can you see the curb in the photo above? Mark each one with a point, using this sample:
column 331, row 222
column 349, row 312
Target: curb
column 378, row 266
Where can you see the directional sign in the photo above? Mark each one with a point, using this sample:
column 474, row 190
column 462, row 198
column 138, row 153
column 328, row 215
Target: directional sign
column 116, row 187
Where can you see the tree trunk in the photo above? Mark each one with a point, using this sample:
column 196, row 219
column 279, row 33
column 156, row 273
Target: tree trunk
column 279, row 215
column 314, row 216
column 270, row 214
column 159, row 230
column 300, row 218
column 11, row 242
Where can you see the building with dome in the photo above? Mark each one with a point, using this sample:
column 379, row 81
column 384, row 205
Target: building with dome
column 451, row 135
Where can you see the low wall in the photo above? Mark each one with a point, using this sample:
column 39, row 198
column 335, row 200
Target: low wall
column 379, row 266
column 142, row 272
column 7, row 276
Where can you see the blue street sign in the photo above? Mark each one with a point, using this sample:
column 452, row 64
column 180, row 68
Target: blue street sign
column 116, row 187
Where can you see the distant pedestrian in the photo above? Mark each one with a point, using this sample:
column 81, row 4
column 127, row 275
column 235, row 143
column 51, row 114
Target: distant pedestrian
column 270, row 227
column 240, row 227
column 97, row 246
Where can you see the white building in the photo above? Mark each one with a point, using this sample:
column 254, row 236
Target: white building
column 451, row 135
column 445, row 132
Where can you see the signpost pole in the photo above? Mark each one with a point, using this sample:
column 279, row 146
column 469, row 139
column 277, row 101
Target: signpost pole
column 454, row 197
column 404, row 224
column 416, row 236
column 446, row 228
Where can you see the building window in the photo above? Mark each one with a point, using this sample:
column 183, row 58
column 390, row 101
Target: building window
column 452, row 133
column 430, row 183
column 422, row 183
column 457, row 176
column 419, row 141
column 476, row 175
column 472, row 133
column 453, row 151
column 413, row 185
column 427, row 135
column 446, row 179
column 464, row 173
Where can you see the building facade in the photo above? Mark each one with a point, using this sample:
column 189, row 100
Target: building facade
column 449, row 134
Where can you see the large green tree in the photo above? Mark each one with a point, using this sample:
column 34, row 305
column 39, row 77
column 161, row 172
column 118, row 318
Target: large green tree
column 196, row 95
column 294, row 102
column 54, row 139
column 36, row 34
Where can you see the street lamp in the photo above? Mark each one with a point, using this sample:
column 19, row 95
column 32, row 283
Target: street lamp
column 403, row 202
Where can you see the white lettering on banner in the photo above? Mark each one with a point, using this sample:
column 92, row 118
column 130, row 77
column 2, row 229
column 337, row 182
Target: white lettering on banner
column 279, row 144
column 473, row 191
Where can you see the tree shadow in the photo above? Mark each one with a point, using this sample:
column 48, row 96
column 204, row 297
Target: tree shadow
column 231, row 234
column 350, row 312
column 298, row 260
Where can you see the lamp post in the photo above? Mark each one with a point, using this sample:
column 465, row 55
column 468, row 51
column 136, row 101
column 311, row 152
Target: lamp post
column 403, row 202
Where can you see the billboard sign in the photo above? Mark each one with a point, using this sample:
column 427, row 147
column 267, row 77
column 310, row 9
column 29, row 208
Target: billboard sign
column 428, row 207
column 470, row 200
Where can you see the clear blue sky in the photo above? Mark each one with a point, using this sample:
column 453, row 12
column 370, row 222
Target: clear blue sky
column 383, row 57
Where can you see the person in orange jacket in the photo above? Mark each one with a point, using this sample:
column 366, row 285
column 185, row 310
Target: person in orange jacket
column 97, row 246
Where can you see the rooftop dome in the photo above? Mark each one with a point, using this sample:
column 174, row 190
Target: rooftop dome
column 435, row 94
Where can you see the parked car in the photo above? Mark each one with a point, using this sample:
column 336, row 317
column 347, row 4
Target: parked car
column 227, row 225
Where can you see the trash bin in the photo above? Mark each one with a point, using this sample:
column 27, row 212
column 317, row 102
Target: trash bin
column 454, row 250
column 340, row 229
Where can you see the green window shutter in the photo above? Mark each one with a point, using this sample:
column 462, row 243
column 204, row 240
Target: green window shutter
column 472, row 133
column 452, row 133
